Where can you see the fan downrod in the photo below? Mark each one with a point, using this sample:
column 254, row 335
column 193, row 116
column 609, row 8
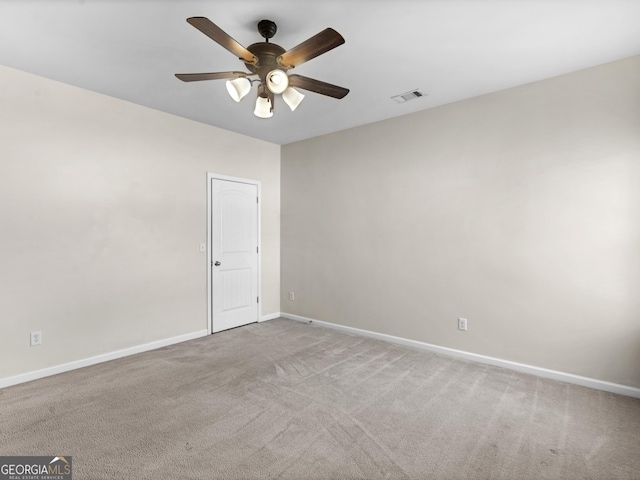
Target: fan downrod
column 267, row 29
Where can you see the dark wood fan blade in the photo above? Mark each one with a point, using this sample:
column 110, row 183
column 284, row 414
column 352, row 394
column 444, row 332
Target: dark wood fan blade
column 317, row 86
column 324, row 41
column 196, row 77
column 219, row 36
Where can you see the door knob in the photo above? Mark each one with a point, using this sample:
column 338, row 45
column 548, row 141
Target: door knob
column 217, row 264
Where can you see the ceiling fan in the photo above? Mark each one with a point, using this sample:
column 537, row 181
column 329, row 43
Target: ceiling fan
column 269, row 63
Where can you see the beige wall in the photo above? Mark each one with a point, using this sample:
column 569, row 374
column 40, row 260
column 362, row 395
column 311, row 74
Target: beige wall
column 102, row 209
column 519, row 210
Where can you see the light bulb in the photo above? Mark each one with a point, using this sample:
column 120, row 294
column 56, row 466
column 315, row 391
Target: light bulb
column 277, row 81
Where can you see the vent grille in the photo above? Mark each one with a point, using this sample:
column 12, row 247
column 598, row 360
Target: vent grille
column 406, row 97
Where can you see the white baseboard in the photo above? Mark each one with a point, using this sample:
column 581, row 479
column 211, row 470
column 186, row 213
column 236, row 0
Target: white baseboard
column 520, row 367
column 65, row 367
column 271, row 316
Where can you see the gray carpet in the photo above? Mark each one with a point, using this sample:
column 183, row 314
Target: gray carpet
column 282, row 399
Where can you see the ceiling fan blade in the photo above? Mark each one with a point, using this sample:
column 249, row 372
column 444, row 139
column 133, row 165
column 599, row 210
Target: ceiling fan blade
column 195, row 77
column 320, row 43
column 317, row 86
column 219, row 36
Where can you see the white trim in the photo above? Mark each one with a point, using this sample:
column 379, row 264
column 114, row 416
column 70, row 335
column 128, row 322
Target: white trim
column 271, row 316
column 209, row 235
column 258, row 184
column 105, row 357
column 259, row 272
column 498, row 362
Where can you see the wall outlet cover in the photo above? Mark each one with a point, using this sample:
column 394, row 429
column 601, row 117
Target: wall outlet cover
column 36, row 338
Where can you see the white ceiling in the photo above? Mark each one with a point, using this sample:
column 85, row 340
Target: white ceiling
column 449, row 49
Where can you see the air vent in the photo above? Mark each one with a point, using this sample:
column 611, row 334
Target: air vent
column 405, row 97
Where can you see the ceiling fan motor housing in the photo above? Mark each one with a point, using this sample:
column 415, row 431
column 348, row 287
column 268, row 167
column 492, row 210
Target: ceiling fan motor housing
column 267, row 54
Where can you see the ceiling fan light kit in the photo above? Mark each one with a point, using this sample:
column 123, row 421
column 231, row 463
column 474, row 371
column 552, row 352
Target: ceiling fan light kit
column 264, row 104
column 269, row 62
column 292, row 97
column 238, row 88
column 277, row 81
column 263, row 108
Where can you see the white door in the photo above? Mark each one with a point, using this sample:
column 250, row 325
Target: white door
column 234, row 254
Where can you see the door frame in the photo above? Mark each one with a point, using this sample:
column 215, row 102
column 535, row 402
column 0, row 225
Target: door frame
column 257, row 183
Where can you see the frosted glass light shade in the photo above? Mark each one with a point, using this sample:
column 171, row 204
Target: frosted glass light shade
column 292, row 98
column 277, row 81
column 238, row 88
column 263, row 108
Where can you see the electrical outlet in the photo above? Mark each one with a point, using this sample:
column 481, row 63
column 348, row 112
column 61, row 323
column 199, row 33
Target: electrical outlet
column 462, row 324
column 291, row 296
column 36, row 338
column 203, row 247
